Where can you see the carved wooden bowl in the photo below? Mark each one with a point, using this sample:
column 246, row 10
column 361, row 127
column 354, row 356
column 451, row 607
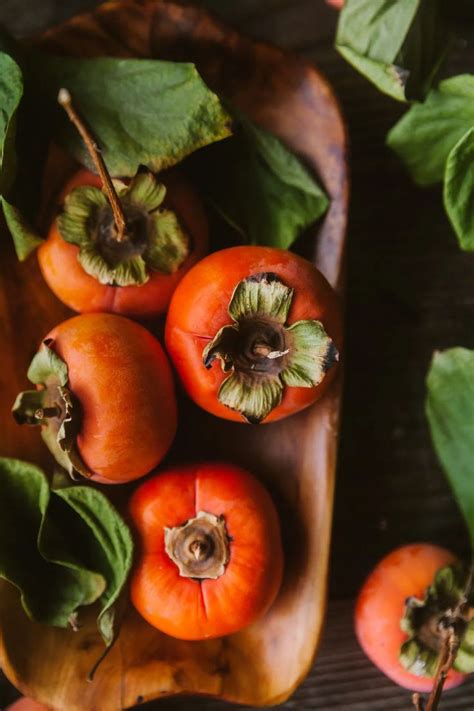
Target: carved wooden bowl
column 296, row 458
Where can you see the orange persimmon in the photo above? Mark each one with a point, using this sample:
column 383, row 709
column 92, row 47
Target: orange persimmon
column 105, row 397
column 210, row 558
column 254, row 333
column 81, row 291
column 397, row 588
column 26, row 704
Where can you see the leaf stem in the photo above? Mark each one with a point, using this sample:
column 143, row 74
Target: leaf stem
column 64, row 99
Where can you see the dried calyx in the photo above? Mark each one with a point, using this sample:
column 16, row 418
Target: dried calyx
column 200, row 547
column 446, row 611
column 52, row 407
column 264, row 355
column 122, row 231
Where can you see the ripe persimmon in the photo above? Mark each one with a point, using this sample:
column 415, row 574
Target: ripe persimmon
column 210, row 558
column 254, row 333
column 122, row 247
column 401, row 610
column 59, row 259
column 105, row 398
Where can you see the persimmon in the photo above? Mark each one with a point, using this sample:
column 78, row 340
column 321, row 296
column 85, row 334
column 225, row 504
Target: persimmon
column 119, row 246
column 402, row 609
column 26, row 704
column 210, row 557
column 105, row 398
column 254, row 333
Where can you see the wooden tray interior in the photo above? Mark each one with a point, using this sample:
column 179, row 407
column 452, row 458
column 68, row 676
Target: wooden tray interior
column 295, row 458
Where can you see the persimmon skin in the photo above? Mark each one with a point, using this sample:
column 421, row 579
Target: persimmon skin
column 83, row 293
column 26, row 704
column 192, row 610
column 404, row 572
column 198, row 310
column 121, row 377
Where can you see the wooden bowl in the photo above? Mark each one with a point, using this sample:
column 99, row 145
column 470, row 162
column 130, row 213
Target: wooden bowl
column 296, row 458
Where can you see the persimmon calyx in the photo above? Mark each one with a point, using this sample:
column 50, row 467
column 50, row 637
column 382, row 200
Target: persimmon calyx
column 200, row 547
column 262, row 353
column 427, row 621
column 154, row 239
column 52, row 407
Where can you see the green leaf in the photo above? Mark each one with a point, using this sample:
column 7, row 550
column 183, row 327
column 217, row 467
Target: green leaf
column 142, row 112
column 144, row 192
column 260, row 188
column 33, row 556
column 426, row 134
column 398, row 46
column 11, row 91
column 459, row 190
column 25, row 238
column 450, row 411
column 129, row 272
column 46, row 366
column 113, row 547
column 63, row 548
column 79, row 214
column 261, row 294
column 168, row 246
column 312, row 354
column 253, row 400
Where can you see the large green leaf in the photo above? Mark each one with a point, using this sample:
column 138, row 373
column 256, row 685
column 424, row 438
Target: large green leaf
column 63, row 548
column 425, row 135
column 459, row 190
column 396, row 45
column 53, row 584
column 142, row 112
column 450, row 411
column 260, row 187
column 11, row 91
column 112, row 547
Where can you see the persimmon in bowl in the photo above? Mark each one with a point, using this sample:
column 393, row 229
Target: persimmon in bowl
column 294, row 457
column 210, row 559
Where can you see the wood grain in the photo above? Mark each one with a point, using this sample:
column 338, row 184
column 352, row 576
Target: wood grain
column 296, row 458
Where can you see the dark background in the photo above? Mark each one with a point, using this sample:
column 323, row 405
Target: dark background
column 410, row 291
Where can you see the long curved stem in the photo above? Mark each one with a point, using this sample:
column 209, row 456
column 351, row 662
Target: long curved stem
column 64, row 99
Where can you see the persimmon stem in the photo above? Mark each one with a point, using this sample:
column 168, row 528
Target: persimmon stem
column 65, row 100
column 449, row 649
column 43, row 413
column 418, row 702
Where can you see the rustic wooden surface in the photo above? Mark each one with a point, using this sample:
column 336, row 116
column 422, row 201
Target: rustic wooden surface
column 409, row 293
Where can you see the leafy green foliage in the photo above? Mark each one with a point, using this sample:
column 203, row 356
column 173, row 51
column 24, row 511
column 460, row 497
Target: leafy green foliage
column 450, row 411
column 25, row 238
column 459, row 190
column 113, row 544
column 262, row 189
column 142, row 112
column 11, row 91
column 396, row 45
column 61, row 548
column 425, row 135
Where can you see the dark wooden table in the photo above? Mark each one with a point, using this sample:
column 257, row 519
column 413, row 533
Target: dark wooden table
column 410, row 292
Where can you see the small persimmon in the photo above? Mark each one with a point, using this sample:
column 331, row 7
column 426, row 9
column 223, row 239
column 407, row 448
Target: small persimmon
column 254, row 333
column 402, row 609
column 119, row 246
column 210, row 557
column 105, row 398
column 59, row 258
